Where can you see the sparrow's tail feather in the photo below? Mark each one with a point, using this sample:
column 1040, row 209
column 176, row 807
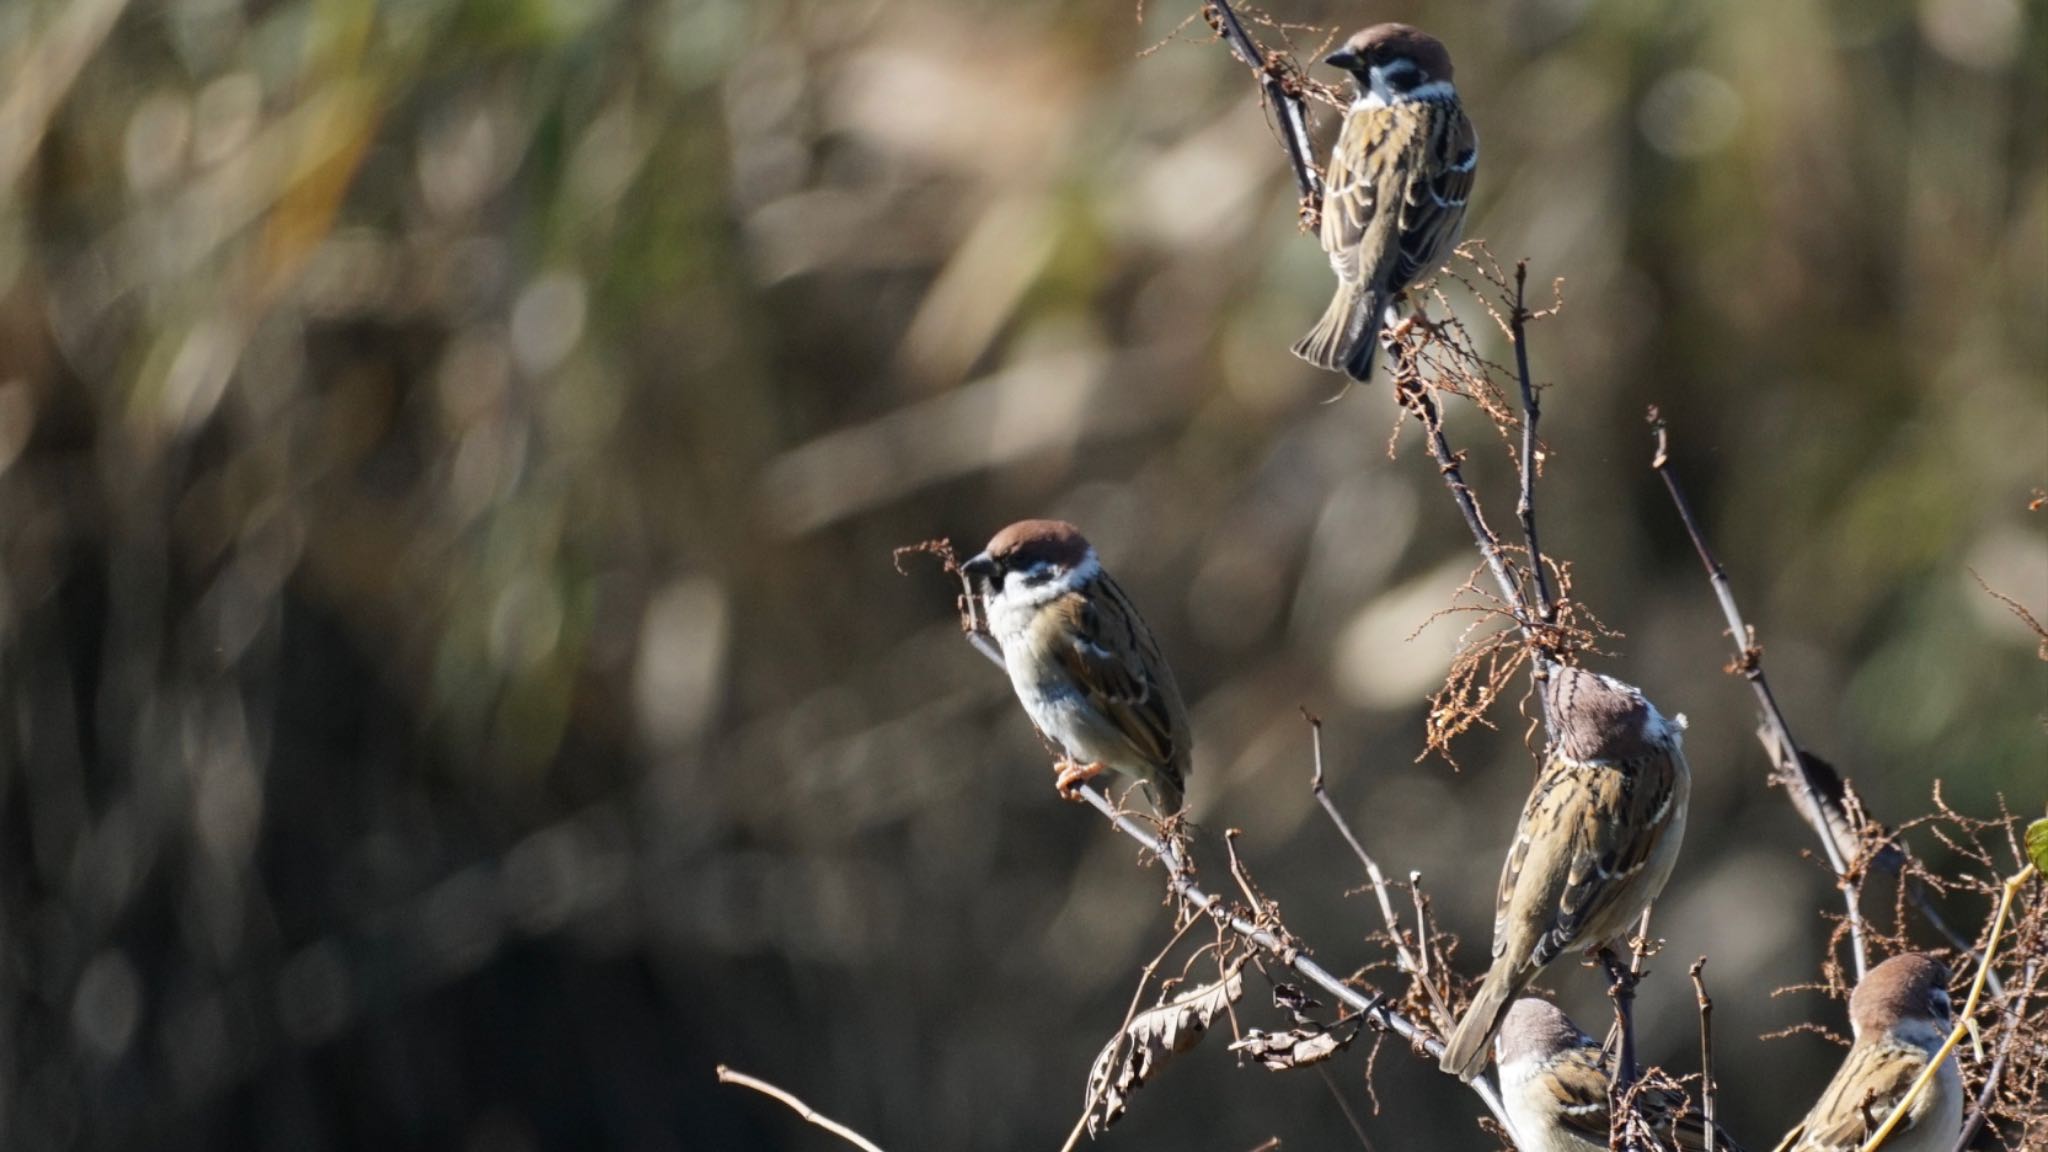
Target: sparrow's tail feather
column 1347, row 337
column 1168, row 790
column 1469, row 1046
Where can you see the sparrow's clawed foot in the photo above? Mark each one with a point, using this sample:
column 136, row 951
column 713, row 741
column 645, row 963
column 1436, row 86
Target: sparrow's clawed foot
column 1073, row 775
column 1410, row 323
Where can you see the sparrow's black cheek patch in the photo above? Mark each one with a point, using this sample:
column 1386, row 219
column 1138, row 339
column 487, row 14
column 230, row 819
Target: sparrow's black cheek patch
column 1400, row 74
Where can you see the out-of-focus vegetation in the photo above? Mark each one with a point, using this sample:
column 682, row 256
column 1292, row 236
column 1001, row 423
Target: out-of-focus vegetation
column 457, row 690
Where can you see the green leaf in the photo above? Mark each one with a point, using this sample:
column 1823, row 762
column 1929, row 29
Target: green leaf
column 2037, row 843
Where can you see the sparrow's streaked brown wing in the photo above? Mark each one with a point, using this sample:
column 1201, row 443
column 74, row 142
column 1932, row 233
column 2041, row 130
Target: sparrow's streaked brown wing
column 1420, row 157
column 1586, row 831
column 1369, row 168
column 1114, row 661
column 1877, row 1075
column 1349, row 199
column 1433, row 212
column 1579, row 1081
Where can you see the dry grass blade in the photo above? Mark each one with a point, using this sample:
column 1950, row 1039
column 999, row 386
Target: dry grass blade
column 1963, row 1019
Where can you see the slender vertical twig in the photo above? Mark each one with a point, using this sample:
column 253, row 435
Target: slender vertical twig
column 1815, row 787
column 1414, row 395
column 1981, row 1107
column 1621, row 988
column 1415, row 962
column 1409, row 962
column 1444, row 1015
column 1707, row 1084
column 1532, row 413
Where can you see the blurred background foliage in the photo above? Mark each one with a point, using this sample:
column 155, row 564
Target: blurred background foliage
column 457, row 690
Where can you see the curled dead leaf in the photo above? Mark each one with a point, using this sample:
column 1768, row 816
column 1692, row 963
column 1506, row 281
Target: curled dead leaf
column 1310, row 1041
column 1135, row 1053
column 1294, row 1048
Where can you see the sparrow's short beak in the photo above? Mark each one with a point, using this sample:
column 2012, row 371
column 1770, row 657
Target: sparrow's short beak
column 1344, row 58
column 979, row 568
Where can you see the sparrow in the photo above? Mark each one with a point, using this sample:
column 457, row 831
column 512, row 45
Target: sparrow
column 1900, row 1015
column 1554, row 1082
column 1394, row 195
column 1086, row 668
column 1594, row 846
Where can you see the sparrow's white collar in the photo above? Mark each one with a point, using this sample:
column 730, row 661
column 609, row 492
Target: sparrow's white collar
column 1381, row 95
column 1659, row 729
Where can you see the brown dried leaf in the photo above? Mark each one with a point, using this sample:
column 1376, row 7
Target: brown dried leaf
column 1294, row 1048
column 1135, row 1053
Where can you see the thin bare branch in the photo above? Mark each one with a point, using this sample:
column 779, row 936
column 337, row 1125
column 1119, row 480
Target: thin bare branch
column 1444, row 1015
column 1980, row 1108
column 810, row 1114
column 1410, row 963
column 1281, row 85
column 1708, row 1086
column 1815, row 787
column 1415, row 396
column 2017, row 609
column 1621, row 988
column 1532, row 413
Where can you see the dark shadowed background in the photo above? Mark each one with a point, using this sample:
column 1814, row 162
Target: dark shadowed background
column 457, row 691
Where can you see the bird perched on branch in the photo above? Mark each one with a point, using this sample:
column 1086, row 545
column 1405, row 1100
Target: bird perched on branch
column 1554, row 1082
column 1394, row 195
column 1086, row 668
column 1595, row 844
column 1900, row 1015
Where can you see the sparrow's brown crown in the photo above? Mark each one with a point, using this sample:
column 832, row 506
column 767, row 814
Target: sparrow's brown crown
column 1029, row 542
column 1535, row 1027
column 1384, row 43
column 1594, row 718
column 1910, row 986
